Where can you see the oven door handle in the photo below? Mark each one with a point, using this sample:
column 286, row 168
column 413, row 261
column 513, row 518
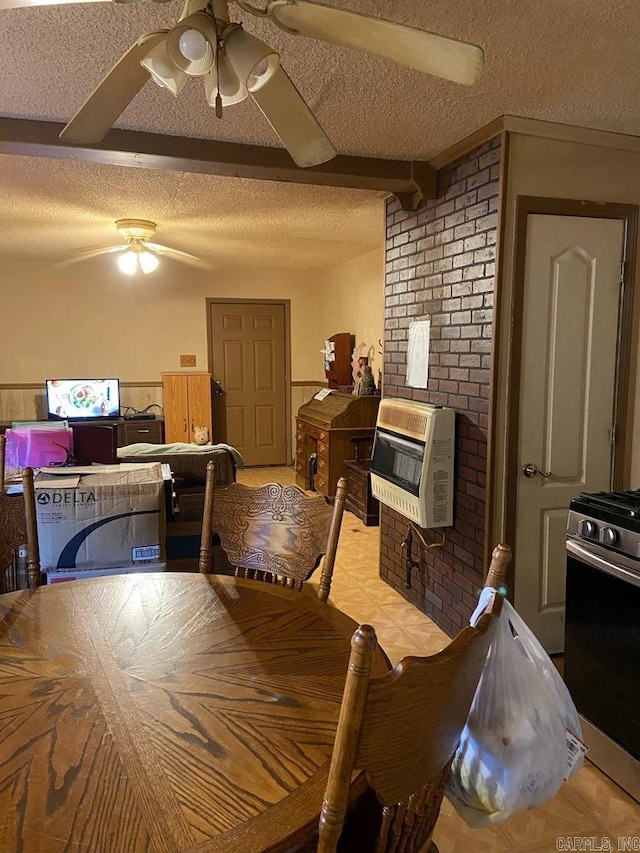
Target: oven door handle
column 598, row 562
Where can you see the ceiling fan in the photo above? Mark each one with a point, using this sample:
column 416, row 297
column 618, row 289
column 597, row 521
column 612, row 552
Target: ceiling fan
column 236, row 65
column 137, row 254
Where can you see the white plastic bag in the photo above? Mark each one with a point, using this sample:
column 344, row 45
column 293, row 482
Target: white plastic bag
column 522, row 736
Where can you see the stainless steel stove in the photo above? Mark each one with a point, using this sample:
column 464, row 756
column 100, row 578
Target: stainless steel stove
column 608, row 519
column 602, row 631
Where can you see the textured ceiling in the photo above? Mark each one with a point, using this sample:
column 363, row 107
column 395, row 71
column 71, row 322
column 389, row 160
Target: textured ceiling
column 572, row 61
column 49, row 208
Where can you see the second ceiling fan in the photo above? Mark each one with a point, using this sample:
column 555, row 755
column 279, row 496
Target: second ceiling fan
column 137, row 253
column 236, row 65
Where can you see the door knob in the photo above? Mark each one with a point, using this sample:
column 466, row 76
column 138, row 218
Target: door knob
column 530, row 470
column 217, row 388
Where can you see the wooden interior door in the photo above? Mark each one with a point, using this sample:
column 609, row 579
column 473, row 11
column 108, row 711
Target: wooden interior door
column 176, row 407
column 572, row 295
column 249, row 362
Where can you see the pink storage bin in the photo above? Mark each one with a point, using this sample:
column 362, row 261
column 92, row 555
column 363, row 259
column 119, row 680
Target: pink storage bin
column 37, row 447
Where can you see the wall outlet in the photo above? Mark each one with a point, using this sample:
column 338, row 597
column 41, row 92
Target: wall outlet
column 187, row 361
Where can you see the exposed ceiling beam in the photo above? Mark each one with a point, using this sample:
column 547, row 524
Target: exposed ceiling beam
column 411, row 181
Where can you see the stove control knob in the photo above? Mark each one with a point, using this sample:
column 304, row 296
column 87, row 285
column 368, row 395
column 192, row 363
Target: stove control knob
column 588, row 529
column 608, row 536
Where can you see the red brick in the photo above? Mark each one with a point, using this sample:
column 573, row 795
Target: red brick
column 443, row 265
column 487, row 191
column 475, row 211
column 461, row 317
column 467, row 201
column 489, row 158
column 469, row 167
column 484, row 255
column 479, row 178
column 440, row 261
column 464, row 230
column 455, row 221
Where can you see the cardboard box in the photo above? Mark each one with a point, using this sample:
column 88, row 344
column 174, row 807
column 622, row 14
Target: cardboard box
column 100, row 516
column 78, row 574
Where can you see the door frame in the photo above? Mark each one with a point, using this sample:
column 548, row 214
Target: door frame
column 627, row 322
column 286, row 304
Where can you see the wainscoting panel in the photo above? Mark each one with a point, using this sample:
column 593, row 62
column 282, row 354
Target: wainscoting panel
column 27, row 402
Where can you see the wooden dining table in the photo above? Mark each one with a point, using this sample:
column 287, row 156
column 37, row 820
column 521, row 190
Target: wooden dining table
column 167, row 712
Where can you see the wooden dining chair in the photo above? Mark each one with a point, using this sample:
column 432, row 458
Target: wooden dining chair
column 17, row 527
column 274, row 533
column 403, row 729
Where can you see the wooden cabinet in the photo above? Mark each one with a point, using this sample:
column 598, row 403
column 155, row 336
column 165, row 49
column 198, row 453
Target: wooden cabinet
column 324, row 432
column 339, row 373
column 187, row 403
column 360, row 500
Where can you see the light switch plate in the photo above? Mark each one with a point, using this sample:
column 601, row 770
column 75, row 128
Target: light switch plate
column 187, row 361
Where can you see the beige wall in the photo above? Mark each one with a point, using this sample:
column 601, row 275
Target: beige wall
column 353, row 301
column 88, row 319
column 545, row 167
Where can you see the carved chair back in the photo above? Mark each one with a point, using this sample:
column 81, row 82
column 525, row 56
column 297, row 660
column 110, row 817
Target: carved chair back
column 403, row 729
column 18, row 527
column 273, row 532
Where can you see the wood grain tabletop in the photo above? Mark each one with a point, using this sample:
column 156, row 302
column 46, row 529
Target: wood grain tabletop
column 166, row 712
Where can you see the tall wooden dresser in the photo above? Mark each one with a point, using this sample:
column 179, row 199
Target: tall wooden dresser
column 324, row 429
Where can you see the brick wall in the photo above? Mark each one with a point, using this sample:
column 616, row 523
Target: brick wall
column 440, row 261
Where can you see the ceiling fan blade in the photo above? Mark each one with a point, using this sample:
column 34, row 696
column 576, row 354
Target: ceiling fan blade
column 113, row 93
column 17, row 4
column 293, row 121
column 177, row 255
column 433, row 54
column 91, row 252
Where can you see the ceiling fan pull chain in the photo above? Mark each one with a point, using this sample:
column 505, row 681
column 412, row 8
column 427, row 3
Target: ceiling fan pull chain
column 219, row 45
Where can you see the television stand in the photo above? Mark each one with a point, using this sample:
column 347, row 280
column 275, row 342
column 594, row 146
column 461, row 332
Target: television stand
column 134, row 430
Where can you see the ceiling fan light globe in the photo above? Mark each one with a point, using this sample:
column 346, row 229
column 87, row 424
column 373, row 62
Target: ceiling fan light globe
column 194, row 36
column 232, row 90
column 263, row 72
column 148, row 262
column 128, row 262
column 192, row 45
column 163, row 71
column 253, row 61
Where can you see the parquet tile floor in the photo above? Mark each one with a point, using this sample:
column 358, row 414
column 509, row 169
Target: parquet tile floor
column 589, row 813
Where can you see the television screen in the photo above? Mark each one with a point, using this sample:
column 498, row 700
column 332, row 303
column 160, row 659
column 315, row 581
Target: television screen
column 83, row 398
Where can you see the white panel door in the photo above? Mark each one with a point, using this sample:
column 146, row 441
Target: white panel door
column 569, row 346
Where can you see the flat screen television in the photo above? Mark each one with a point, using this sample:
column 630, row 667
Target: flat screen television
column 82, row 399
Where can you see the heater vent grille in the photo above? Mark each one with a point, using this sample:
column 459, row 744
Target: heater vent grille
column 395, row 498
column 402, row 417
